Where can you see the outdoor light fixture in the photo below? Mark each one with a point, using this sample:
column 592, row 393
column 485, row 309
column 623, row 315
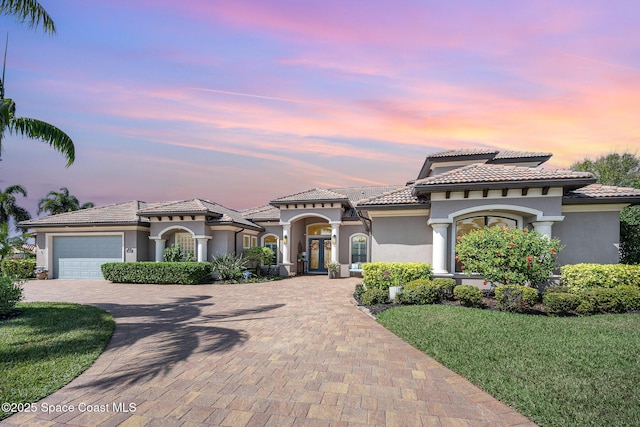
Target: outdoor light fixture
column 334, row 239
column 284, row 239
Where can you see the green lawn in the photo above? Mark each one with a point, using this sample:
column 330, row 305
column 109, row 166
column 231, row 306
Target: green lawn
column 47, row 346
column 558, row 371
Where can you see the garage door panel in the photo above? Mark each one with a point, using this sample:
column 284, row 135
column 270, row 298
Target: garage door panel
column 80, row 257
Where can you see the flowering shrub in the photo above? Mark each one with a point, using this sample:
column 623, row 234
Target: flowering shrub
column 508, row 256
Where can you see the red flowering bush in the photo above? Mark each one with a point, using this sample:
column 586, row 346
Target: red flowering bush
column 508, row 256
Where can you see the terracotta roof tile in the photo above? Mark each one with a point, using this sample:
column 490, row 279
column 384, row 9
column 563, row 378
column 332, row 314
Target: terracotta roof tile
column 118, row 213
column 603, row 192
column 483, row 173
column 401, row 196
column 316, row 194
column 266, row 212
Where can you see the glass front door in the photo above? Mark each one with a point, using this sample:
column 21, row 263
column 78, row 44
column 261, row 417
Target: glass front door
column 319, row 254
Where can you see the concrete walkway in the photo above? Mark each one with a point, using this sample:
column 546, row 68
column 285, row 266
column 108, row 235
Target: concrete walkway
column 291, row 353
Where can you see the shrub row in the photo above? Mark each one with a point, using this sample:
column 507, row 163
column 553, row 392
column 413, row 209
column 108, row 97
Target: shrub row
column 516, row 298
column 578, row 277
column 618, row 299
column 10, row 294
column 468, row 295
column 20, row 268
column 181, row 273
column 382, row 275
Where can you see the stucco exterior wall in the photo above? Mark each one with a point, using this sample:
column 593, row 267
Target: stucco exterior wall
column 589, row 237
column 198, row 227
column 333, row 214
column 222, row 243
column 402, row 238
column 550, row 206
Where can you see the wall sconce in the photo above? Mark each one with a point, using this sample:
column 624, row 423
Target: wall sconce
column 284, row 239
column 334, row 239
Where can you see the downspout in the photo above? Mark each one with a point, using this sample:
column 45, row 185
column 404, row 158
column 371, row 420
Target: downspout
column 235, row 240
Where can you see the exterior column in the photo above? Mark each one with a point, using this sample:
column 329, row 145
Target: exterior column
column 439, row 257
column 202, row 248
column 159, row 249
column 286, row 244
column 543, row 227
column 335, row 237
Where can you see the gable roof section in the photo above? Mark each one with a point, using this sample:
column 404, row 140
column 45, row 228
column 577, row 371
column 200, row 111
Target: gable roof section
column 399, row 198
column 314, row 195
column 598, row 193
column 215, row 212
column 124, row 213
column 481, row 155
column 359, row 194
column 262, row 213
column 482, row 176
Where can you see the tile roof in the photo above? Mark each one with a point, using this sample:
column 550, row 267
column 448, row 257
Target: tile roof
column 484, row 174
column 219, row 213
column 603, row 193
column 401, row 196
column 463, row 152
column 316, row 194
column 117, row 213
column 266, row 212
column 520, row 155
column 358, row 194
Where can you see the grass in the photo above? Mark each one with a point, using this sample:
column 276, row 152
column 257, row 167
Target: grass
column 47, row 346
column 570, row 371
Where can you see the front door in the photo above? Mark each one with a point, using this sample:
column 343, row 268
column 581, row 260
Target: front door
column 319, row 254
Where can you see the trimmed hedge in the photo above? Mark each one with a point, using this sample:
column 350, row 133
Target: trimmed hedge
column 181, row 273
column 516, row 298
column 560, row 303
column 445, row 287
column 468, row 295
column 382, row 275
column 420, row 294
column 578, row 277
column 374, row 296
column 20, row 268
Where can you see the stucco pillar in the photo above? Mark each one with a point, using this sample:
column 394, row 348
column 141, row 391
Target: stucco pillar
column 202, row 248
column 159, row 249
column 543, row 227
column 439, row 261
column 286, row 244
column 335, row 242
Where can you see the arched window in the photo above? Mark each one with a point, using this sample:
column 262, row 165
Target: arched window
column 479, row 222
column 359, row 248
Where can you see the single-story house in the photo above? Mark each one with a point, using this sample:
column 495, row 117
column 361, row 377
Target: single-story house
column 454, row 193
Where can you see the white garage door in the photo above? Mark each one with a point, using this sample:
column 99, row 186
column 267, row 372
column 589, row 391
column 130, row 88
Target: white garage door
column 80, row 257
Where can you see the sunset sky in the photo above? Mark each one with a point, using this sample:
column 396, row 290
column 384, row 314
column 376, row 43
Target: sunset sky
column 241, row 102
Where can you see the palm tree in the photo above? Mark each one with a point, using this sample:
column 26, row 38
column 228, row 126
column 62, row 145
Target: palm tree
column 60, row 202
column 33, row 13
column 29, row 11
column 8, row 207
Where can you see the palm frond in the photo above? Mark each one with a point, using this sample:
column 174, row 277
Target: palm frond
column 45, row 132
column 30, row 12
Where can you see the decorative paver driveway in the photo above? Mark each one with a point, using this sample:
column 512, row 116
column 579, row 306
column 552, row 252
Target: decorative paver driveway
column 290, row 353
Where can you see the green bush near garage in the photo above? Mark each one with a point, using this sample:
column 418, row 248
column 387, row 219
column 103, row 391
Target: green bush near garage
column 180, row 273
column 20, row 268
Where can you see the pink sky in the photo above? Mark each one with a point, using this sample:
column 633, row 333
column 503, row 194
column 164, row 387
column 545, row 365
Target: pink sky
column 241, row 102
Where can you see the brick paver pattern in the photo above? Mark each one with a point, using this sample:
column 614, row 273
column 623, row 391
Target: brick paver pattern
column 296, row 352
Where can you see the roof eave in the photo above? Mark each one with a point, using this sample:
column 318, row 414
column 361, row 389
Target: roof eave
column 570, row 184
